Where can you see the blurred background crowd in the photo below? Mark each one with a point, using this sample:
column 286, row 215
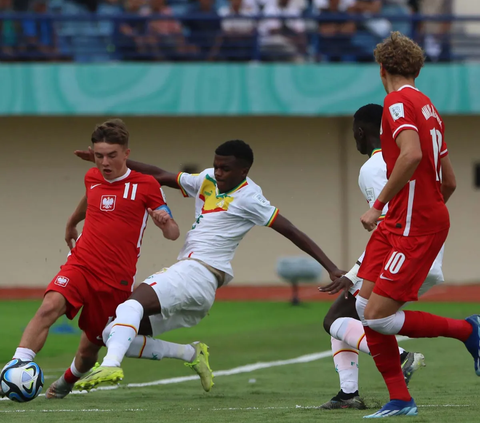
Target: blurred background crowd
column 219, row 30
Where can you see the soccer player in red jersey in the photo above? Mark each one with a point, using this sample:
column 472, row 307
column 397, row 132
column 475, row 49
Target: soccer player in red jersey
column 100, row 270
column 401, row 250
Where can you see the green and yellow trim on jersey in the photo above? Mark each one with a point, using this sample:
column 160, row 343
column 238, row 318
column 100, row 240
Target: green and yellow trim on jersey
column 382, row 217
column 184, row 193
column 375, row 151
column 273, row 218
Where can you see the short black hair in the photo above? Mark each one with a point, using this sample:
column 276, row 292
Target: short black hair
column 371, row 114
column 238, row 149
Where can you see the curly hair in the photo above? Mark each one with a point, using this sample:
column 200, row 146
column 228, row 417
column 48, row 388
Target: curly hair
column 399, row 55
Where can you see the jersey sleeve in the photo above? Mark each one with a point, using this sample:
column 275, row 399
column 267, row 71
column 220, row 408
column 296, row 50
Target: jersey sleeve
column 399, row 112
column 89, row 179
column 371, row 182
column 155, row 198
column 258, row 210
column 190, row 183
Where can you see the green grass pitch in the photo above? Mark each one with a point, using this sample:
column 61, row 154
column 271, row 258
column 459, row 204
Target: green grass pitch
column 242, row 333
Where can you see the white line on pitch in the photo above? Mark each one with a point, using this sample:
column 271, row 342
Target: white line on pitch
column 92, row 410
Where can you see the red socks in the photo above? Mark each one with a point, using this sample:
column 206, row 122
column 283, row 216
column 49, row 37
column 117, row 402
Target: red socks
column 419, row 324
column 384, row 350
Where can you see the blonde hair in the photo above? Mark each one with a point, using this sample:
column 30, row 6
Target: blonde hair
column 399, row 55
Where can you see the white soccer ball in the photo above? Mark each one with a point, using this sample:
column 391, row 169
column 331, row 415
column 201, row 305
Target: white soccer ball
column 21, row 381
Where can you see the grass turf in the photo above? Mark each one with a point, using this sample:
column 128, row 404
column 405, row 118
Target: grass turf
column 241, row 333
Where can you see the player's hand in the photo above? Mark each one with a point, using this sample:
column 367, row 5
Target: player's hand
column 336, row 273
column 340, row 284
column 71, row 236
column 86, row 155
column 370, row 218
column 159, row 217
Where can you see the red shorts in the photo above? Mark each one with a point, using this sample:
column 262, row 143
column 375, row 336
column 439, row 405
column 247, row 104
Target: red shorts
column 99, row 300
column 398, row 265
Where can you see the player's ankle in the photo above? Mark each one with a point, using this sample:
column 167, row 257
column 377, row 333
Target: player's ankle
column 24, row 354
column 110, row 362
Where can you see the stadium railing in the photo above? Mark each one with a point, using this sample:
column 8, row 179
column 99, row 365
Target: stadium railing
column 124, row 37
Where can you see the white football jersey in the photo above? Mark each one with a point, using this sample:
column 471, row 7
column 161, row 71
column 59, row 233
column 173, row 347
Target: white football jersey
column 222, row 220
column 372, row 178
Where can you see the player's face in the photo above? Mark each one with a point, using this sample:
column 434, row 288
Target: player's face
column 359, row 135
column 111, row 159
column 229, row 172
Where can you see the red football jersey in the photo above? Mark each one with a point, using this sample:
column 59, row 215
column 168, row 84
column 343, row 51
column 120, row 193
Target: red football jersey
column 109, row 245
column 419, row 208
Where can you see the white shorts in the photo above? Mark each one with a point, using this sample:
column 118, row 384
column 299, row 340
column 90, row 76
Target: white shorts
column 434, row 277
column 186, row 292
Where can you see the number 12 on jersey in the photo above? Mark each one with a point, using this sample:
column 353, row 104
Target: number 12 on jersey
column 437, row 140
column 126, row 192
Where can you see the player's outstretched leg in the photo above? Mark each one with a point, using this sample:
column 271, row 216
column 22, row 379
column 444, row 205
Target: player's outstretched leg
column 195, row 355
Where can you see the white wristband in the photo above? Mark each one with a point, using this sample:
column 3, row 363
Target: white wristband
column 352, row 274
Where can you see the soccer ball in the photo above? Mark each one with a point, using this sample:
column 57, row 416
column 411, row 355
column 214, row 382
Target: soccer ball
column 21, row 381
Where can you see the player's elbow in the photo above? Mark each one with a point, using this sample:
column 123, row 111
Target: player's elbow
column 414, row 157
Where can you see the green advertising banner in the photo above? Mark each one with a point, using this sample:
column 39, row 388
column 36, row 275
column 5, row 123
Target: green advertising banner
column 219, row 89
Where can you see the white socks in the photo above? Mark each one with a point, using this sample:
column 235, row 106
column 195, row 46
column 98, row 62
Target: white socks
column 124, row 330
column 351, row 332
column 346, row 365
column 24, row 354
column 156, row 349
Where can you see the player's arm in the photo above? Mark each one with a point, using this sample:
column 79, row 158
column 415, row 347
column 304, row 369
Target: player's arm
column 162, row 176
column 163, row 219
column 408, row 160
column 71, row 233
column 301, row 240
column 449, row 183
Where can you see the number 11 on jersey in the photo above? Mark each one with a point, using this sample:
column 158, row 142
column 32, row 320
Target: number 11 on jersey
column 126, row 192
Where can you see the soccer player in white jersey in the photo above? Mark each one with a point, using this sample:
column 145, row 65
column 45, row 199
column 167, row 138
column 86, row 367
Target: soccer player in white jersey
column 341, row 321
column 227, row 205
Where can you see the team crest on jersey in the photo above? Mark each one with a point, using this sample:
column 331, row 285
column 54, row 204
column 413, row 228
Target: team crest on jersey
column 107, row 202
column 61, row 281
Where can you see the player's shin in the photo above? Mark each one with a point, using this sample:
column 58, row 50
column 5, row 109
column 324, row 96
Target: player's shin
column 346, row 365
column 156, row 349
column 124, row 330
column 384, row 350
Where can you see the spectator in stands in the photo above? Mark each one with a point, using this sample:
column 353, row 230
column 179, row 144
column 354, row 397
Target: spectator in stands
column 436, row 35
column 165, row 37
column 283, row 38
column 39, row 38
column 238, row 32
column 205, row 33
column 381, row 27
column 106, row 28
column 335, row 36
column 8, row 32
column 131, row 40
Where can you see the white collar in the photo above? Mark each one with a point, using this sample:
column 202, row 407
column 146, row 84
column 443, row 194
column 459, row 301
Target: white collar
column 408, row 86
column 120, row 178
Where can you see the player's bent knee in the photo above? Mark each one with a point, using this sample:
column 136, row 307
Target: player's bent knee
column 389, row 325
column 328, row 321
